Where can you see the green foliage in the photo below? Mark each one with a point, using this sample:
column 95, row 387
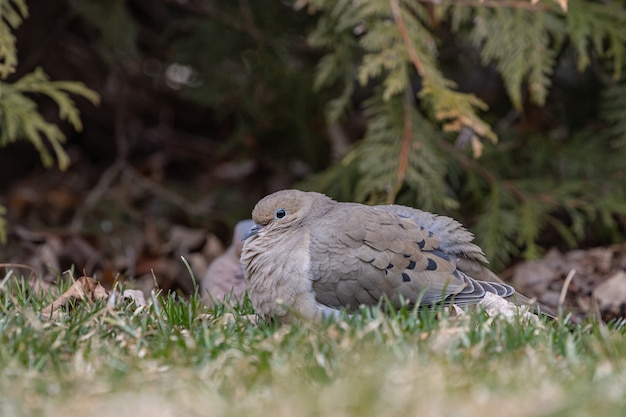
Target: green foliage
column 12, row 13
column 565, row 192
column 534, row 38
column 563, row 174
column 417, row 162
column 396, row 43
column 19, row 118
column 614, row 112
column 598, row 28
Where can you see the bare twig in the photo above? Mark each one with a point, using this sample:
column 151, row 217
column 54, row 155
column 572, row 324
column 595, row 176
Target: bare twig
column 504, row 4
column 106, row 179
column 165, row 194
column 405, row 149
column 469, row 162
column 339, row 142
column 595, row 308
column 213, row 12
column 407, row 134
column 21, row 266
column 6, row 278
column 406, row 39
column 489, row 177
column 566, row 284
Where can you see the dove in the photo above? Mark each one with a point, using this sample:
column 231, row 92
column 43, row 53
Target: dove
column 225, row 274
column 308, row 256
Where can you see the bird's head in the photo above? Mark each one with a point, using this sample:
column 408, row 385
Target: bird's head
column 284, row 209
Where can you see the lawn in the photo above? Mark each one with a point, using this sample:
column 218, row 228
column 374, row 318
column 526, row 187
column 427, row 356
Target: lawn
column 178, row 358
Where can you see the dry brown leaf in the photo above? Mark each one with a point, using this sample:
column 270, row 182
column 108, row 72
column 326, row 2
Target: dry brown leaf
column 83, row 289
column 184, row 239
column 611, row 294
column 213, row 247
column 544, row 279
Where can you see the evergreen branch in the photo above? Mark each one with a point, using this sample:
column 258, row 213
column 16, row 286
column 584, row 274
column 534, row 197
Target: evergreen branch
column 20, row 119
column 612, row 106
column 12, row 14
column 520, row 192
column 494, row 4
column 496, row 229
column 405, row 146
column 38, row 82
column 469, row 163
column 458, row 108
column 598, row 28
column 407, row 134
column 406, row 39
column 455, row 107
column 527, row 57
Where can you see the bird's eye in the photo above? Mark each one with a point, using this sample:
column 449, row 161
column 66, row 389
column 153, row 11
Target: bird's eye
column 280, row 213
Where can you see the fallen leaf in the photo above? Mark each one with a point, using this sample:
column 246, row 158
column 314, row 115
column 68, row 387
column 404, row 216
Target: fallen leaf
column 495, row 305
column 611, row 294
column 83, row 289
column 136, row 296
column 185, row 239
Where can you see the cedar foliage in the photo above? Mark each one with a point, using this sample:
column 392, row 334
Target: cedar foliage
column 531, row 183
column 506, row 114
column 19, row 118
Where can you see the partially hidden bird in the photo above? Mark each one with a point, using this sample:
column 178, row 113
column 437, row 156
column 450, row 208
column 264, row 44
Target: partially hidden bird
column 308, row 256
column 224, row 277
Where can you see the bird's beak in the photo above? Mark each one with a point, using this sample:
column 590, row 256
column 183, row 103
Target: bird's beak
column 256, row 228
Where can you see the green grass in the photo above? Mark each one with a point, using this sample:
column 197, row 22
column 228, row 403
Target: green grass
column 169, row 361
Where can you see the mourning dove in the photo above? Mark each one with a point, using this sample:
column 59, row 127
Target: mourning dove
column 225, row 274
column 310, row 256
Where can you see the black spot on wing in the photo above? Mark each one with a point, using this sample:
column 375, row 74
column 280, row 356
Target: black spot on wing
column 402, row 226
column 411, row 265
column 389, row 266
column 441, row 254
column 405, row 277
column 421, row 244
column 432, row 265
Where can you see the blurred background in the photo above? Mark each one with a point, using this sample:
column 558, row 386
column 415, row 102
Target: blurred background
column 179, row 115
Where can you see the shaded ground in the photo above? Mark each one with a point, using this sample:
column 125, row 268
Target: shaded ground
column 136, row 228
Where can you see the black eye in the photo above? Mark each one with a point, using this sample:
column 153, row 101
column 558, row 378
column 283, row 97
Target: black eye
column 280, row 213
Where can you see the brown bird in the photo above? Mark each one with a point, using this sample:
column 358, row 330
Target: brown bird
column 225, row 274
column 310, row 256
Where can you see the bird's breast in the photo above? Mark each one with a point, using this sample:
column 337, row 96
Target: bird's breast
column 277, row 272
